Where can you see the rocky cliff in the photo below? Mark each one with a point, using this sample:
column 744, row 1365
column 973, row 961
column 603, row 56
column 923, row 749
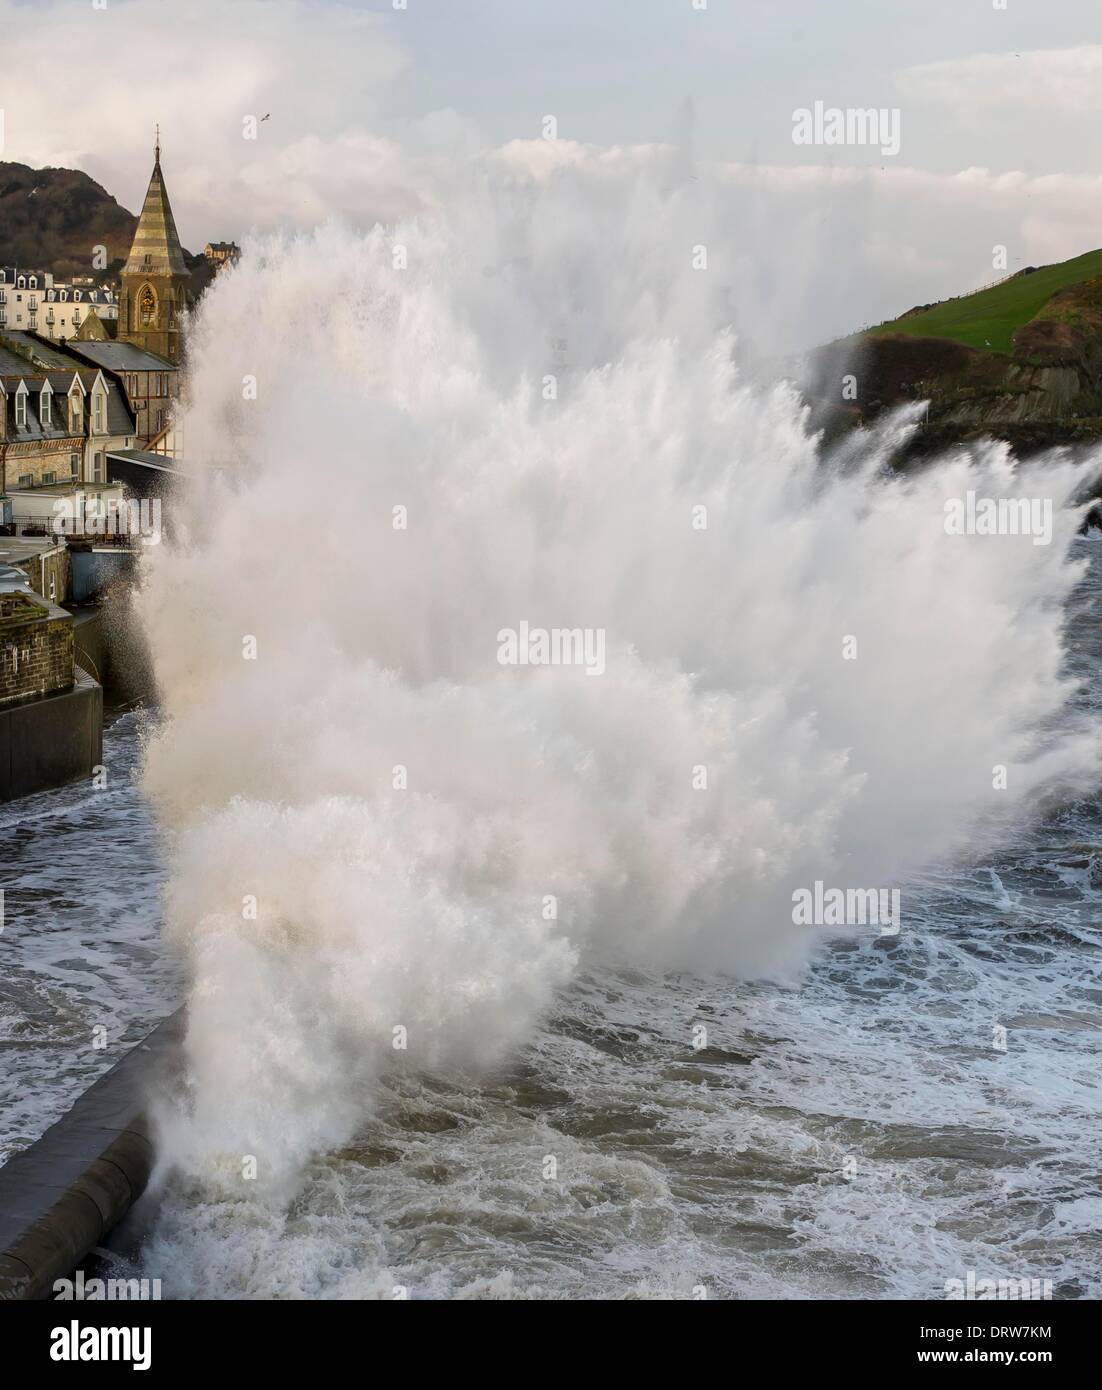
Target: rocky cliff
column 1047, row 389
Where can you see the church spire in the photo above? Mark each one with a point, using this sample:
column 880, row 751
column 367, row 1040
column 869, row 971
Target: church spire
column 156, row 249
column 155, row 284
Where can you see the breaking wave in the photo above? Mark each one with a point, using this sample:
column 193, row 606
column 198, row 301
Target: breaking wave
column 380, row 835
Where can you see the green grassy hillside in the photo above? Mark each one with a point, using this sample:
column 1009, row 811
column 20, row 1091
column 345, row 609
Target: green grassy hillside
column 989, row 319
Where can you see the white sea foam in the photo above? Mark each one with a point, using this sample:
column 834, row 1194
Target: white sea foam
column 424, row 907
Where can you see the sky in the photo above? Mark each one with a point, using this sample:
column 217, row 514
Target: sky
column 375, row 111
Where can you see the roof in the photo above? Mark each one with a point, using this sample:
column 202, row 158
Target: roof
column 12, row 578
column 45, row 354
column 17, row 550
column 9, row 276
column 11, row 364
column 120, row 420
column 156, row 249
column 124, row 357
column 161, row 462
column 79, row 294
column 95, row 328
column 33, row 428
column 60, row 380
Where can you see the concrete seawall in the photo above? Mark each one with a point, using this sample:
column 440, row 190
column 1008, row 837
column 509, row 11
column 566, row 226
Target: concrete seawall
column 51, row 740
column 65, row 1193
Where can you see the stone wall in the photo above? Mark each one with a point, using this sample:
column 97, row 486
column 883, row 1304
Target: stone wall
column 36, row 648
column 37, row 460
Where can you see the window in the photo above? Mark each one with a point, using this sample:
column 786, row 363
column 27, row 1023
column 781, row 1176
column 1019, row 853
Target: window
column 99, row 467
column 75, row 414
column 26, row 479
column 49, row 477
column 97, row 413
column 74, row 463
column 45, row 409
column 20, row 410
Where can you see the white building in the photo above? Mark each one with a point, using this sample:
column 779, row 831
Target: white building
column 63, row 308
column 31, row 301
column 21, row 296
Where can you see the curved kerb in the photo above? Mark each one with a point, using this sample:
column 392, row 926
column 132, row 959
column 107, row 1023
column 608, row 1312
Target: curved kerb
column 64, row 1194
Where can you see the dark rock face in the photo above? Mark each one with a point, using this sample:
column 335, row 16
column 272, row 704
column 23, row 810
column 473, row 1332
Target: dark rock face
column 978, row 390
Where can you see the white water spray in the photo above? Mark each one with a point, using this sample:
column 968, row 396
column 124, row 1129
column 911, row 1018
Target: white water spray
column 434, row 840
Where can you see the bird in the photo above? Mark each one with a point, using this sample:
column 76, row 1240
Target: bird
column 264, row 118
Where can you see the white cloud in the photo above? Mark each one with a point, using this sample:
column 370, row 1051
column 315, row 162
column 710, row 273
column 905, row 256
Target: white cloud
column 199, row 69
column 540, row 159
column 917, row 235
column 974, row 186
column 1049, row 216
column 1055, row 79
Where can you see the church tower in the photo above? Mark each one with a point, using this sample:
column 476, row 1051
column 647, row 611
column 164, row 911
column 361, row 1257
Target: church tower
column 155, row 280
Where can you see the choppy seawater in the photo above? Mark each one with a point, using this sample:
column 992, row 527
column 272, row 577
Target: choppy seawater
column 675, row 1167
column 81, row 874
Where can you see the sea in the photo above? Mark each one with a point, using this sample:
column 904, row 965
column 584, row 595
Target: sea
column 913, row 1108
